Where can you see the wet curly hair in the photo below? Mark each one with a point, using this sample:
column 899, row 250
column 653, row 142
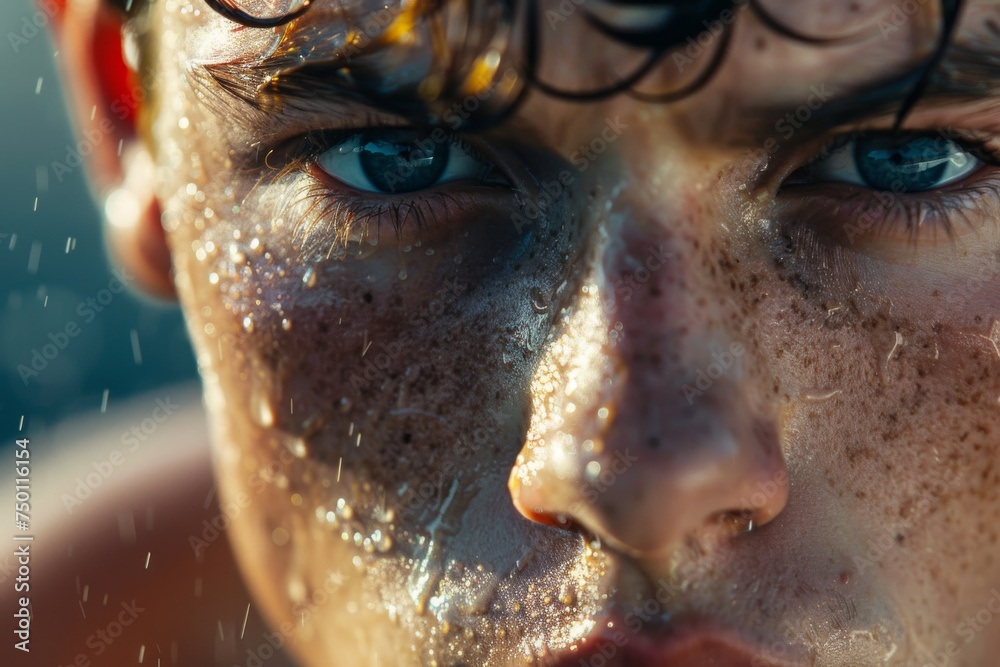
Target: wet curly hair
column 684, row 20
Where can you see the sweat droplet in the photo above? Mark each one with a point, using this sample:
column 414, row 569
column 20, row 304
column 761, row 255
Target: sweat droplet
column 248, row 324
column 309, row 277
column 820, row 395
column 382, row 541
column 893, row 355
column 261, row 409
column 567, row 594
column 538, row 300
column 298, row 448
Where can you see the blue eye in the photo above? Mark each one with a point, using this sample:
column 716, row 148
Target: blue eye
column 400, row 161
column 907, row 163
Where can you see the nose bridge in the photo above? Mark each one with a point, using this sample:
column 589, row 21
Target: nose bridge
column 665, row 273
column 651, row 432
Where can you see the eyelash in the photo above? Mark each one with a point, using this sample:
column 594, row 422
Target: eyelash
column 977, row 145
column 913, row 212
column 359, row 220
column 338, row 215
column 330, row 224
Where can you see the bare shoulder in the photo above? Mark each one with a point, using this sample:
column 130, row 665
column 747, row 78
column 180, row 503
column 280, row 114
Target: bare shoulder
column 127, row 565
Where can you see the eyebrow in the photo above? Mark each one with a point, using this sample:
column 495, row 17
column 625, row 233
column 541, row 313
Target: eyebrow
column 300, row 76
column 968, row 74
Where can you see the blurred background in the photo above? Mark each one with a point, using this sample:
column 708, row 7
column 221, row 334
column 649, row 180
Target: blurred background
column 52, row 259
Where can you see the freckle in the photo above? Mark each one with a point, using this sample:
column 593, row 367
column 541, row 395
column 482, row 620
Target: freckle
column 760, row 44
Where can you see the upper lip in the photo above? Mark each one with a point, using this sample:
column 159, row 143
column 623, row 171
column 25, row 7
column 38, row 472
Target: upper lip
column 688, row 644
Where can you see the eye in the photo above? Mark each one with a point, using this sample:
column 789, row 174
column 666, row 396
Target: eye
column 897, row 163
column 398, row 161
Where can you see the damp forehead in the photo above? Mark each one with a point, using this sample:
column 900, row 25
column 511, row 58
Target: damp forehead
column 210, row 38
column 764, row 71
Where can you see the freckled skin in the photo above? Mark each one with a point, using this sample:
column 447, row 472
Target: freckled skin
column 426, row 440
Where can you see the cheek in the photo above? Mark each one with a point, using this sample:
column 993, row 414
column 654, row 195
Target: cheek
column 367, row 405
column 892, row 431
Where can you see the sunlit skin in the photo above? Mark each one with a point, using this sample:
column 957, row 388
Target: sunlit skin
column 489, row 441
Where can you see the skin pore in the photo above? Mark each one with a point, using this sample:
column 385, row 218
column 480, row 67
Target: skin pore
column 672, row 377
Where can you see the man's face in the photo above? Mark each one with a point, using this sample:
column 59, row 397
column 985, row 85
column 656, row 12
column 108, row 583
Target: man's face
column 714, row 379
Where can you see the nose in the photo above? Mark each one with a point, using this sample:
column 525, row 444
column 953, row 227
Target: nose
column 651, row 418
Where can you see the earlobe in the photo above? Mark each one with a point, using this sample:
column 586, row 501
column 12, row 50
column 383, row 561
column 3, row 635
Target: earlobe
column 134, row 235
column 104, row 97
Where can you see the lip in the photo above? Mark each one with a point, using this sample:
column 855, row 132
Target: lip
column 686, row 645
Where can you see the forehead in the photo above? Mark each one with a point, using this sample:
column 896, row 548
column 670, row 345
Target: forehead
column 776, row 52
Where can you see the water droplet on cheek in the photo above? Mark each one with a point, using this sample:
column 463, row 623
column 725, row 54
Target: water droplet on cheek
column 820, row 395
column 298, row 448
column 538, row 300
column 309, row 277
column 344, row 510
column 248, row 325
column 383, row 543
column 286, row 324
column 260, row 408
column 567, row 594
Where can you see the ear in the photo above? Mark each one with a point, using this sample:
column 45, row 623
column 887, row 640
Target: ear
column 105, row 100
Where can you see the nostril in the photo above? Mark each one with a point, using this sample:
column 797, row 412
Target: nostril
column 570, row 524
column 560, row 520
column 739, row 522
